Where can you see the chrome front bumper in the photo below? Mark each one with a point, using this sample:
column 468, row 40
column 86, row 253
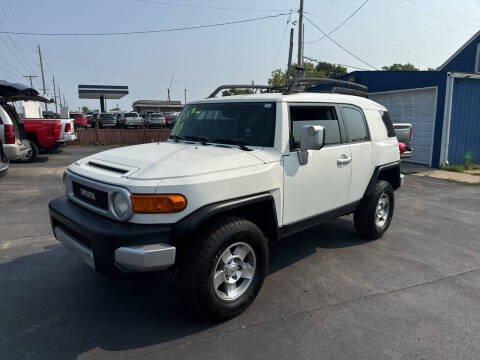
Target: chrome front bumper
column 142, row 258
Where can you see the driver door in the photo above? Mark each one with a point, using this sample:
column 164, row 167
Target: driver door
column 323, row 183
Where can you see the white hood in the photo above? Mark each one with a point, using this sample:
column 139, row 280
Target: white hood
column 165, row 160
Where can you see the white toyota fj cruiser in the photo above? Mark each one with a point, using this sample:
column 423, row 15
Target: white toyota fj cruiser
column 236, row 173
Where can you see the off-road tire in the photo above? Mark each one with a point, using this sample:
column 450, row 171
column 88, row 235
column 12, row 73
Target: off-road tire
column 199, row 261
column 364, row 216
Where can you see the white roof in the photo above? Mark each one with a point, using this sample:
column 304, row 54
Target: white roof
column 359, row 101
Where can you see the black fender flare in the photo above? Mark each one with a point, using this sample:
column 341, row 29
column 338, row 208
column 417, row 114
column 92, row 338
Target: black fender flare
column 193, row 221
column 377, row 174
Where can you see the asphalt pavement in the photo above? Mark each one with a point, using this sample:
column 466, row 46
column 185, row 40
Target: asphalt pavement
column 413, row 294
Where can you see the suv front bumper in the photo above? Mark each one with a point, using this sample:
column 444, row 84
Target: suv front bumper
column 108, row 245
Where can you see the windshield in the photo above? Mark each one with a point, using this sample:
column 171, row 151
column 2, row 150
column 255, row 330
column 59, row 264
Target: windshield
column 247, row 123
column 131, row 115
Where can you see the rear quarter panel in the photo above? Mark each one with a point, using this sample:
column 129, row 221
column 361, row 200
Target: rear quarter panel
column 385, row 149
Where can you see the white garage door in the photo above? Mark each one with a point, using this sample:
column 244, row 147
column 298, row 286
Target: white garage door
column 416, row 107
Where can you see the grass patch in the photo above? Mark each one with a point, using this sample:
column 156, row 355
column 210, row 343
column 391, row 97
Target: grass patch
column 460, row 168
column 463, row 182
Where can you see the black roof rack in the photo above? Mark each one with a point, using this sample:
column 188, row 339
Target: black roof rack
column 298, row 84
column 269, row 88
column 340, row 86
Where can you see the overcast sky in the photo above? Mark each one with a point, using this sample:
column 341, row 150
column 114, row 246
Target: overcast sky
column 423, row 32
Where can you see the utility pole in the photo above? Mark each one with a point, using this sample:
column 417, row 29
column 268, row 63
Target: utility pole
column 60, row 98
column 30, row 77
column 300, row 40
column 55, row 94
column 290, row 52
column 185, row 95
column 168, row 91
column 43, row 77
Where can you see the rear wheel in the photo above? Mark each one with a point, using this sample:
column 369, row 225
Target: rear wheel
column 224, row 271
column 32, row 154
column 374, row 215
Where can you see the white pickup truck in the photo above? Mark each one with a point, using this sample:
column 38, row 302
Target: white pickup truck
column 237, row 172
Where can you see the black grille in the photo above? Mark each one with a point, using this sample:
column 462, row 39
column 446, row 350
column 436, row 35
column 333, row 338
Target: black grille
column 89, row 195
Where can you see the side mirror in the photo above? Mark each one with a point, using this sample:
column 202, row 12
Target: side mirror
column 311, row 138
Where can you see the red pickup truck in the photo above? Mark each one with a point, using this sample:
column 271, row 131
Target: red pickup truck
column 43, row 134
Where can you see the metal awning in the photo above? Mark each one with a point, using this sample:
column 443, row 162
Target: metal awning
column 102, row 91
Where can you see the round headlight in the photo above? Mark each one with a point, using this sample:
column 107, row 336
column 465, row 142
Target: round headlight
column 121, row 205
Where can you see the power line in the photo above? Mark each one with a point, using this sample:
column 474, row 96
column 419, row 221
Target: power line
column 423, row 47
column 426, row 14
column 207, row 6
column 350, row 66
column 149, row 31
column 404, row 19
column 463, row 16
column 338, row 44
column 341, row 24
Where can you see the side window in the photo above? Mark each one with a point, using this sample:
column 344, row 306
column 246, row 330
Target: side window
column 388, row 123
column 314, row 115
column 355, row 123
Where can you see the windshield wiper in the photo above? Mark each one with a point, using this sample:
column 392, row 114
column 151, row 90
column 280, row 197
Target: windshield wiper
column 240, row 144
column 200, row 139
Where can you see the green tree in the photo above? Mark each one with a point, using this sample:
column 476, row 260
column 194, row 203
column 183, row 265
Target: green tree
column 330, row 70
column 322, row 69
column 115, row 109
column 400, row 67
column 85, row 109
column 231, row 92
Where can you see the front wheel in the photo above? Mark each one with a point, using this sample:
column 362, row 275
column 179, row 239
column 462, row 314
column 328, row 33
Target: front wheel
column 374, row 215
column 224, row 271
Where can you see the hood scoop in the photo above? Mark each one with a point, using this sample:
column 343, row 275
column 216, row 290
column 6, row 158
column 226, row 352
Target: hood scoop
column 109, row 168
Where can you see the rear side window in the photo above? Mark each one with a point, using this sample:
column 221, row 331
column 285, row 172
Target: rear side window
column 388, row 123
column 314, row 115
column 356, row 127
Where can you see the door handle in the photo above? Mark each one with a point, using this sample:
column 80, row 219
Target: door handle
column 344, row 160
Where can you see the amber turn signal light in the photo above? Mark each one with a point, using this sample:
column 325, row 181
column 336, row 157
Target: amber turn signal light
column 157, row 204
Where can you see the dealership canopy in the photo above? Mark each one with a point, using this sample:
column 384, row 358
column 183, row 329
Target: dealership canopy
column 102, row 92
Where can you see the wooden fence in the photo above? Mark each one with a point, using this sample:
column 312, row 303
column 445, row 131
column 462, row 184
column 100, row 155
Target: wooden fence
column 120, row 136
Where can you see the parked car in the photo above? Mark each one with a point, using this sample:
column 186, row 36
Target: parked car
column 235, row 175
column 12, row 134
column 171, row 119
column 80, row 120
column 106, row 120
column 23, row 139
column 93, row 120
column 3, row 161
column 155, row 120
column 130, row 119
column 403, row 131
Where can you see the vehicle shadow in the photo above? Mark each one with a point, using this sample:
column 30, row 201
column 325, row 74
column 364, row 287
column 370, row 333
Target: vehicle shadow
column 55, row 307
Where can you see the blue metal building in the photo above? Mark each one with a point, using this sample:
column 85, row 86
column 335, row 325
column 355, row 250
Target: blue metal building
column 442, row 105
